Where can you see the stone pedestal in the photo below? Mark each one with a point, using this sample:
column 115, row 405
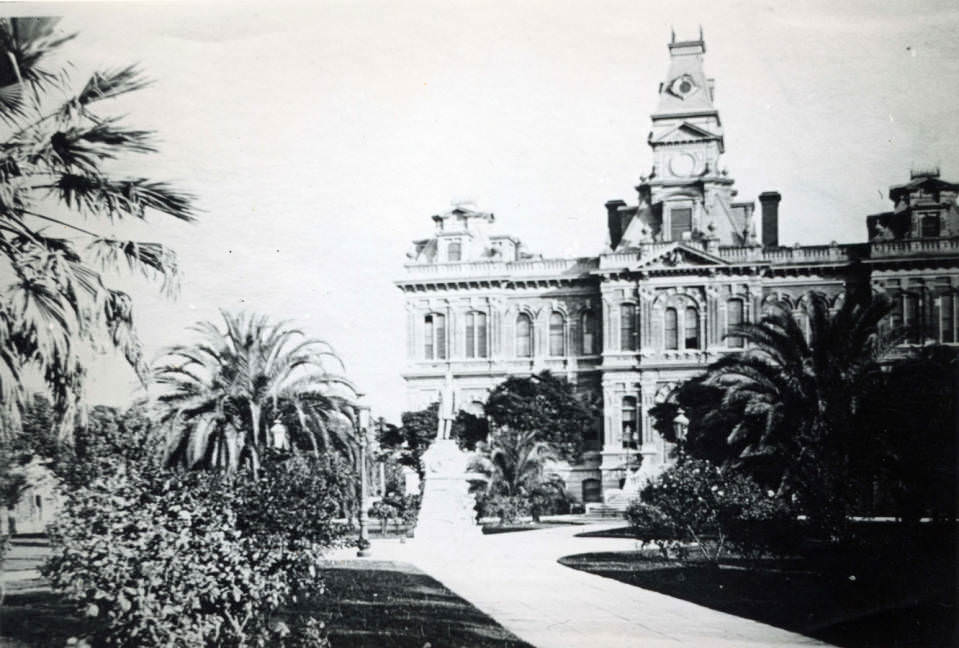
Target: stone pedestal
column 446, row 512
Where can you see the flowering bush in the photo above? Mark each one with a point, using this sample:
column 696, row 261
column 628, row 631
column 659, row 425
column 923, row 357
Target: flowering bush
column 195, row 559
column 704, row 503
column 396, row 508
column 652, row 526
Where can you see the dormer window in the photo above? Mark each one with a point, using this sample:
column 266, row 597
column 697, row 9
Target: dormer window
column 929, row 225
column 455, row 251
column 680, row 223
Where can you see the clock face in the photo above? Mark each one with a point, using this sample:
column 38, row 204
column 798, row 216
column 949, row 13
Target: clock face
column 683, row 86
column 682, row 164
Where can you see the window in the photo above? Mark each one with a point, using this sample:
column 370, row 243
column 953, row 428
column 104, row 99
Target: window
column 476, row 335
column 434, row 333
column 592, row 490
column 929, row 226
column 630, row 432
column 734, row 317
column 692, row 328
column 557, row 335
column 455, row 251
column 911, row 317
column 681, row 221
column 947, row 319
column 671, row 329
column 524, row 336
column 627, row 327
column 588, row 321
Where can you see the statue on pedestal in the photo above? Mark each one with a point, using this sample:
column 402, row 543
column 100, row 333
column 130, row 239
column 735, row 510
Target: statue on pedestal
column 447, row 409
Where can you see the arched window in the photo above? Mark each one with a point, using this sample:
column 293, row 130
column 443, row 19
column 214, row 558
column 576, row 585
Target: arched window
column 671, row 329
column 455, row 251
column 911, row 317
column 630, row 430
column 947, row 319
column 734, row 317
column 588, row 321
column 524, row 336
column 476, row 335
column 434, row 337
column 692, row 327
column 627, row 327
column 557, row 334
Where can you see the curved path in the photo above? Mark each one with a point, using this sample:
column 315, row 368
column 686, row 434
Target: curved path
column 516, row 579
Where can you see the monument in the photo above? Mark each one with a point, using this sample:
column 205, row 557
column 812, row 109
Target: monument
column 447, row 510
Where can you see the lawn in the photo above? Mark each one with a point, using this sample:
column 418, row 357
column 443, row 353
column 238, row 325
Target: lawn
column 884, row 595
column 367, row 603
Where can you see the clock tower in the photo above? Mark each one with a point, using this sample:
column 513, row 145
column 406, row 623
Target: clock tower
column 687, row 195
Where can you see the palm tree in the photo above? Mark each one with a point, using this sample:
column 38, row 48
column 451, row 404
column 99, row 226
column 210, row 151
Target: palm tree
column 788, row 405
column 514, row 462
column 54, row 192
column 220, row 394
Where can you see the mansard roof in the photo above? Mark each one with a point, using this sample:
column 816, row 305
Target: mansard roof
column 930, row 182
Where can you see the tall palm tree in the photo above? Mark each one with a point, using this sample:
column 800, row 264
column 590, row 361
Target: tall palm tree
column 220, row 395
column 57, row 201
column 788, row 405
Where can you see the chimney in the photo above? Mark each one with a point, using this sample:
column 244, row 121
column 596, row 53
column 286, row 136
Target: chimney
column 614, row 222
column 770, row 205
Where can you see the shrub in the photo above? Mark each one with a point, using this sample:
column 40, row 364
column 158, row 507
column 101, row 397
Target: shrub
column 652, row 526
column 196, row 559
column 399, row 509
column 508, row 508
column 549, row 497
column 704, row 503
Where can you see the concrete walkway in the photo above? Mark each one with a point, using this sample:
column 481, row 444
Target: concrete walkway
column 514, row 577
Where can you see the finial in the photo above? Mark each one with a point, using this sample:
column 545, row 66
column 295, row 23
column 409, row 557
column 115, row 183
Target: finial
column 700, row 33
column 672, row 33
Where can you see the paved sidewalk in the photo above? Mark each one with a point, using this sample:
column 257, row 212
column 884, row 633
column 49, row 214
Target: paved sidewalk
column 514, row 577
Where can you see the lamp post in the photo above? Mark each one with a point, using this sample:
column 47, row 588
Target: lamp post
column 680, row 423
column 363, row 422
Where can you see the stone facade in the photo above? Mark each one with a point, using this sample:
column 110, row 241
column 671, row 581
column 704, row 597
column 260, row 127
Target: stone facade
column 651, row 310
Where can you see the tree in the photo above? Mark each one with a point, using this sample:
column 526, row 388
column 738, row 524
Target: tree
column 786, row 409
column 221, row 394
column 418, row 429
column 55, row 189
column 546, row 406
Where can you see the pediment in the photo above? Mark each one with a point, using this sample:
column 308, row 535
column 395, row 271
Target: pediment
column 685, row 132
column 679, row 255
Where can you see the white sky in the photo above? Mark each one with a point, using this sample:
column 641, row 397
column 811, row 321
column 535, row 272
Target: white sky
column 320, row 140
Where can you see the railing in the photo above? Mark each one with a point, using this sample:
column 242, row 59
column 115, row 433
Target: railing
column 912, row 247
column 522, row 268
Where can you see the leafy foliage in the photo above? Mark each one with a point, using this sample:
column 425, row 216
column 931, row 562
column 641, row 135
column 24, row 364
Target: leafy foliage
column 54, row 189
column 698, row 502
column 198, row 559
column 516, row 466
column 397, row 509
column 221, row 394
column 418, row 429
column 545, row 406
column 785, row 410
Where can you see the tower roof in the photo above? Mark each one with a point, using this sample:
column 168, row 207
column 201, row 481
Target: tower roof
column 686, row 90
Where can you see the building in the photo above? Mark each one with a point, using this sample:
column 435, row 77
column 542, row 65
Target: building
column 683, row 264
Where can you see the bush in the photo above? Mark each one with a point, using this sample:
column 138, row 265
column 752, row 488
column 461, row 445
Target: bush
column 396, row 508
column 704, row 504
column 196, row 559
column 549, row 497
column 508, row 508
column 652, row 526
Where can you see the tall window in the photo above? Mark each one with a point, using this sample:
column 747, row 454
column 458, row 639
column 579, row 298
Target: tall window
column 692, row 328
column 476, row 335
column 557, row 335
column 630, row 431
column 929, row 226
column 734, row 317
column 434, row 333
column 681, row 221
column 947, row 318
column 524, row 336
column 672, row 329
column 588, row 321
column 911, row 317
column 627, row 327
column 455, row 251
